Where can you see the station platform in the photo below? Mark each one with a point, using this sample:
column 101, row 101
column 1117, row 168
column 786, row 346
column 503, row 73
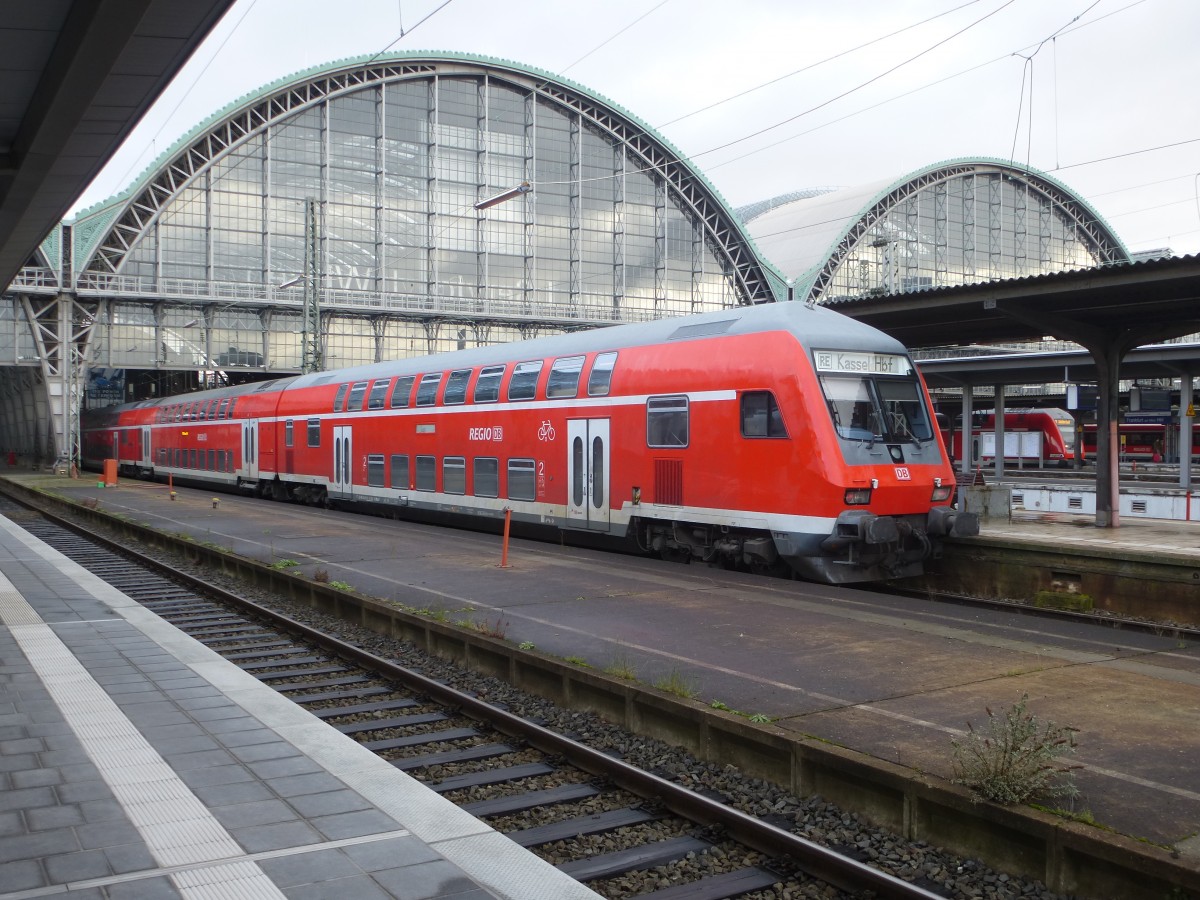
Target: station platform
column 1133, row 535
column 888, row 676
column 136, row 763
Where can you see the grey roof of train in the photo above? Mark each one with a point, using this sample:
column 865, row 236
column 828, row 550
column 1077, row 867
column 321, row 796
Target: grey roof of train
column 815, row 326
column 827, row 328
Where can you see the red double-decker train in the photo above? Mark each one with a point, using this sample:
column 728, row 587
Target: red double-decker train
column 760, row 436
column 1031, row 437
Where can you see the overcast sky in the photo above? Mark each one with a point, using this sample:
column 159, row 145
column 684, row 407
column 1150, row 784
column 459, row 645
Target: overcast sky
column 1101, row 94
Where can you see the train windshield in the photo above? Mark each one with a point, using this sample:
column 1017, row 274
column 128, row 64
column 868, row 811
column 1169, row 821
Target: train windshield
column 873, row 397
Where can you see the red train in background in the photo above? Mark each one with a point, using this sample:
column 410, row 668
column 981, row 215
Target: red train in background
column 1047, row 437
column 1031, row 436
column 759, row 436
column 1149, row 441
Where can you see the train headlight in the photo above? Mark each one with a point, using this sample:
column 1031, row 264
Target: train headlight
column 942, row 493
column 858, row 496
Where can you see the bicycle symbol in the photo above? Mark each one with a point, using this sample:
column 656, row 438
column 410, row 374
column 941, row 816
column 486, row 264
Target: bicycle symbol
column 546, row 432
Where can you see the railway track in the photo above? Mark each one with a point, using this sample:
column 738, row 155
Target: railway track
column 618, row 828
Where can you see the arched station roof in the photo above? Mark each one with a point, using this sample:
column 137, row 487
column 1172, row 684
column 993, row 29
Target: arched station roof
column 396, row 150
column 957, row 222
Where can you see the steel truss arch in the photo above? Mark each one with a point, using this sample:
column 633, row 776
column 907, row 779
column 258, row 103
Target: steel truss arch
column 751, row 280
column 782, row 228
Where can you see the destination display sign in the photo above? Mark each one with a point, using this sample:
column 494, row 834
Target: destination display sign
column 855, row 362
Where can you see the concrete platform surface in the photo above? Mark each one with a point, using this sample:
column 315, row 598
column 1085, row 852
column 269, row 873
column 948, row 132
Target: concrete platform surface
column 894, row 677
column 136, row 763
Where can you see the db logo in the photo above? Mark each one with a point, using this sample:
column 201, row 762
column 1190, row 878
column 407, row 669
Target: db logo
column 902, row 473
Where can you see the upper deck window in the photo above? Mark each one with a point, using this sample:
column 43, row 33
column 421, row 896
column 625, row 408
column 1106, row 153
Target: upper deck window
column 402, row 391
column 600, row 378
column 523, row 384
column 356, row 396
column 378, row 393
column 427, row 390
column 487, row 385
column 456, row 387
column 564, row 377
column 340, row 399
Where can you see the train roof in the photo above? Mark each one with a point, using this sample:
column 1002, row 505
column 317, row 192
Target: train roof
column 813, row 326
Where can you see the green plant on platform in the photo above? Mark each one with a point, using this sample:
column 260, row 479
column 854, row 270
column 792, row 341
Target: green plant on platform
column 497, row 629
column 578, row 661
column 526, row 645
column 621, row 668
column 760, row 719
column 340, row 585
column 1015, row 757
column 284, row 564
column 676, row 684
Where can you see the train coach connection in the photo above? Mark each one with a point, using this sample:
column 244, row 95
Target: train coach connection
column 760, row 436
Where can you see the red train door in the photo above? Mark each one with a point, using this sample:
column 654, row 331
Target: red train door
column 587, row 473
column 250, row 449
column 342, row 454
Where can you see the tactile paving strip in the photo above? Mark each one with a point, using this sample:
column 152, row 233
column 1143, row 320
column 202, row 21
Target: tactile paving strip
column 175, row 825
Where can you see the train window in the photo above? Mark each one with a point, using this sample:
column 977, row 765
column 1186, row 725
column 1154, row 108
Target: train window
column 314, row 432
column 178, row 458
column 340, row 398
column 487, row 385
column 426, row 473
column 564, row 377
column 487, row 476
column 905, row 410
column 232, row 406
column 402, row 391
column 192, row 458
column 522, row 481
column 223, row 409
column 288, row 429
column 601, row 375
column 357, row 392
column 850, row 405
column 400, row 471
column 761, row 416
column 454, row 475
column 667, row 421
column 375, row 464
column 428, row 388
column 212, row 460
column 212, row 409
column 202, row 412
column 456, row 387
column 378, row 393
column 162, row 456
column 523, row 384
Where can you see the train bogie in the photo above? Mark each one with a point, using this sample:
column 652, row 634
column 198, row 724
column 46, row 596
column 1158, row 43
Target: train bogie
column 762, row 437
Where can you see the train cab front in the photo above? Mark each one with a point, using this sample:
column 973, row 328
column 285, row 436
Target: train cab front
column 888, row 465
